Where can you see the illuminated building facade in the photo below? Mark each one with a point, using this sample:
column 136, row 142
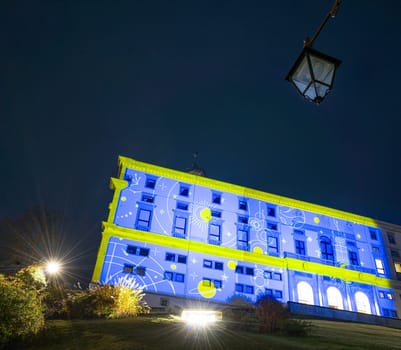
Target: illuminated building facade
column 187, row 237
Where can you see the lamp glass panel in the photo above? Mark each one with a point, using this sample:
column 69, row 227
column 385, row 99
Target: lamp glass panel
column 322, row 70
column 311, row 93
column 322, row 90
column 301, row 76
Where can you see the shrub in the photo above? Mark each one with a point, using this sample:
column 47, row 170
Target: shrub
column 20, row 310
column 272, row 314
column 107, row 301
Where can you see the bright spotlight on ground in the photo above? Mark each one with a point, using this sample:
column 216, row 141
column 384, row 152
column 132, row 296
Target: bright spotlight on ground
column 53, row 267
column 200, row 318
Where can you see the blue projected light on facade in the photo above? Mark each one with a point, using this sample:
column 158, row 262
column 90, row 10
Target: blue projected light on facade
column 183, row 239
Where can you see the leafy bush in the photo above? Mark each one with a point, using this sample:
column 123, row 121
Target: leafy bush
column 20, row 309
column 55, row 302
column 274, row 317
column 107, row 301
column 271, row 313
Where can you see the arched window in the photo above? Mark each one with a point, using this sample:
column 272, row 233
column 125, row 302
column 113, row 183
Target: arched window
column 326, row 248
column 305, row 293
column 362, row 303
column 334, row 298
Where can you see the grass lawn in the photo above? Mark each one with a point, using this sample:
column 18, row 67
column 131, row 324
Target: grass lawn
column 163, row 333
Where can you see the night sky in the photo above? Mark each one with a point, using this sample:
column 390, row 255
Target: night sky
column 82, row 82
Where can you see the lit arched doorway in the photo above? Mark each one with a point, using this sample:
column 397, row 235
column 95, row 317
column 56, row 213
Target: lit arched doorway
column 334, row 298
column 362, row 303
column 305, row 293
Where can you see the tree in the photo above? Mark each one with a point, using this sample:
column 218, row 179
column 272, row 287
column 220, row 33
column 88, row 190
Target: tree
column 20, row 304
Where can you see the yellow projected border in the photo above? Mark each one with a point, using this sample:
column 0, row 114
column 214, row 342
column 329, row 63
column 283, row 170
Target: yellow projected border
column 125, row 163
column 111, row 230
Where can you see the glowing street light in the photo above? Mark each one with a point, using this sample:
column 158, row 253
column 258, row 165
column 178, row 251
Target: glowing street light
column 313, row 72
column 53, row 267
column 201, row 318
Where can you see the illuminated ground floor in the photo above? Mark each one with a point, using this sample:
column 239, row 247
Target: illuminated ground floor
column 170, row 269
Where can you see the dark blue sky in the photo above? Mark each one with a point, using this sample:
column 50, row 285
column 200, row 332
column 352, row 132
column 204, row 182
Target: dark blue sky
column 82, row 82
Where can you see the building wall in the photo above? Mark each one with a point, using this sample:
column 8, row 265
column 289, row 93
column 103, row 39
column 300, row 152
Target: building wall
column 183, row 235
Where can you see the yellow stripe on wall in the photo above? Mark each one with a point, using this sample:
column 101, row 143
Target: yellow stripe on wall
column 111, row 230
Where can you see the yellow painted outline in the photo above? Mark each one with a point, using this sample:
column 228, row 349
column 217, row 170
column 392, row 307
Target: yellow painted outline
column 230, row 253
column 117, row 185
column 125, row 163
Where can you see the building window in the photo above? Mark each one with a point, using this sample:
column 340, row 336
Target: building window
column 143, row 219
column 128, row 268
column 206, row 282
column 168, row 275
column 245, row 270
column 397, row 267
column 143, row 252
column 326, row 249
column 267, row 275
column 299, row 232
column 239, row 287
column 242, row 204
column 272, row 244
column 140, row 270
column 216, row 197
column 271, row 210
column 242, row 239
column 215, row 213
column 353, row 258
column 379, row 266
column 248, row 289
column 362, row 303
column 375, row 249
column 243, row 220
column 272, row 226
column 218, row 265
column 174, row 276
column 395, row 254
column 352, row 254
column 170, row 257
column 244, row 288
column 391, row 238
column 217, row 284
column 214, row 233
column 390, row 296
column 269, row 292
column 334, row 298
column 305, row 293
column 150, row 182
column 381, row 294
column 148, row 198
column 184, row 190
column 300, row 247
column 239, row 269
column 179, row 277
column 180, row 226
column 277, row 276
column 182, row 206
column 137, row 250
column 278, row 294
column 249, row 271
column 182, row 259
column 208, row 264
column 373, row 234
column 163, row 302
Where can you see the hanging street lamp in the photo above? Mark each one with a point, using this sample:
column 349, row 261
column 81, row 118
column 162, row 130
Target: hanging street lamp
column 313, row 72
